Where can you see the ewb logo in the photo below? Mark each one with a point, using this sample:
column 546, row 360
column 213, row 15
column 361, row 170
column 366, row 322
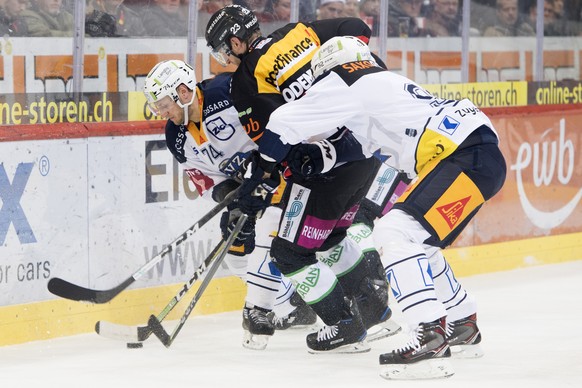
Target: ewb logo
column 11, row 212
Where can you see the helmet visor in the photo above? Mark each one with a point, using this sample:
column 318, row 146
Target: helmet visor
column 158, row 108
column 221, row 53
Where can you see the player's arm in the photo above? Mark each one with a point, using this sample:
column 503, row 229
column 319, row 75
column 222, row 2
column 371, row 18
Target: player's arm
column 209, row 184
column 254, row 111
column 329, row 28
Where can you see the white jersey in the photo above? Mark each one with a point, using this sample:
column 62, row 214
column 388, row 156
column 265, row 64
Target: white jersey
column 385, row 112
column 214, row 152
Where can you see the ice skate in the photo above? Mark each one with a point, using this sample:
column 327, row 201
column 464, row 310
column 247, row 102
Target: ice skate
column 464, row 337
column 303, row 316
column 425, row 356
column 385, row 327
column 373, row 306
column 346, row 336
column 257, row 328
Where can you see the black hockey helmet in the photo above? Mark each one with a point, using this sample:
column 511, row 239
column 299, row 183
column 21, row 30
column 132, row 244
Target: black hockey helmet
column 232, row 20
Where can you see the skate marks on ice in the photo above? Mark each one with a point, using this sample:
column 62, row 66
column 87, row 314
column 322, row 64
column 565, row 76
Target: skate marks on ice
column 527, row 317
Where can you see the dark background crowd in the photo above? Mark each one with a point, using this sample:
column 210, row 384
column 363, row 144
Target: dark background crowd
column 406, row 18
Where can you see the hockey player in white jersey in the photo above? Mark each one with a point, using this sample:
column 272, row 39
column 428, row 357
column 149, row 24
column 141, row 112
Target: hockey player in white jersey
column 205, row 136
column 451, row 150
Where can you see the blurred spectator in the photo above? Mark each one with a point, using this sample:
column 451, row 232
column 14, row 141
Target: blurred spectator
column 559, row 10
column 444, row 19
column 351, row 9
column 404, row 18
column 370, row 13
column 483, row 15
column 10, row 22
column 164, row 18
column 258, row 6
column 508, row 21
column 277, row 11
column 330, row 9
column 207, row 9
column 127, row 21
column 211, row 6
column 553, row 26
column 48, row 18
column 97, row 22
column 573, row 10
column 307, row 11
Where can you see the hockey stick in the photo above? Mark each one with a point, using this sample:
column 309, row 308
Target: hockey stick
column 141, row 333
column 154, row 323
column 71, row 291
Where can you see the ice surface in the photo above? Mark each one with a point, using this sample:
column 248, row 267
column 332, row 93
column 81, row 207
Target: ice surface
column 530, row 319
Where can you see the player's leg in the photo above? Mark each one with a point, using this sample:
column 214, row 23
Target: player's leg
column 290, row 310
column 262, row 279
column 463, row 334
column 317, row 215
column 318, row 286
column 410, row 277
column 362, row 276
column 432, row 213
column 386, row 188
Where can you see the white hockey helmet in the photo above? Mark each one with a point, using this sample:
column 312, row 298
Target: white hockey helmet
column 163, row 80
column 337, row 51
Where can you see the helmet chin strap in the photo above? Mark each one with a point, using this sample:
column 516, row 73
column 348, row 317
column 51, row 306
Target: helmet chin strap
column 186, row 115
column 185, row 107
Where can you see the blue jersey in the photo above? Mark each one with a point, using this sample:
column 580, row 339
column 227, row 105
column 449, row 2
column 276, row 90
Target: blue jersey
column 217, row 154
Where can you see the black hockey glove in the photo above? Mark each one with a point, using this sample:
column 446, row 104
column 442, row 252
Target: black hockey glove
column 309, row 159
column 221, row 190
column 245, row 240
column 258, row 186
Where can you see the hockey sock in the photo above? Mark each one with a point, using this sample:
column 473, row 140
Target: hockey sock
column 319, row 288
column 458, row 303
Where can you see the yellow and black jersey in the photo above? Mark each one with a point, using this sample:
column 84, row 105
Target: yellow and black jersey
column 277, row 68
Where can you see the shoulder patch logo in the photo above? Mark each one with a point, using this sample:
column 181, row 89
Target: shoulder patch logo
column 449, row 125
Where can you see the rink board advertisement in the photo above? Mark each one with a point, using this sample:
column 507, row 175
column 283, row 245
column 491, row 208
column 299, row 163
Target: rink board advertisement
column 543, row 190
column 92, row 211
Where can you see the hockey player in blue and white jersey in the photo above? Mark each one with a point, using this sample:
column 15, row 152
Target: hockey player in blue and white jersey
column 448, row 147
column 205, row 136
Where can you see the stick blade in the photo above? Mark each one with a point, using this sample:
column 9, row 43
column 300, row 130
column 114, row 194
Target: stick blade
column 67, row 290
column 156, row 327
column 71, row 291
column 117, row 332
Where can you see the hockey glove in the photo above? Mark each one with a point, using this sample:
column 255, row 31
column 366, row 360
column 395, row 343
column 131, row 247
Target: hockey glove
column 309, row 159
column 245, row 241
column 258, row 186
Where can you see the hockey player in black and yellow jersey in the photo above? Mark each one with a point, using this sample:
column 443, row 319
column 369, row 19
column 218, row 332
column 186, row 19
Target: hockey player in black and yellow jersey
column 273, row 71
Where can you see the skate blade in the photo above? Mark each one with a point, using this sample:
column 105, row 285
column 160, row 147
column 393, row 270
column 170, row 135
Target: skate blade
column 358, row 347
column 383, row 330
column 466, row 351
column 308, row 326
column 255, row 341
column 436, row 368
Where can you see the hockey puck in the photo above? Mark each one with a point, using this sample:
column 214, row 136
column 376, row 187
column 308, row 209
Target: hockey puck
column 134, row 345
